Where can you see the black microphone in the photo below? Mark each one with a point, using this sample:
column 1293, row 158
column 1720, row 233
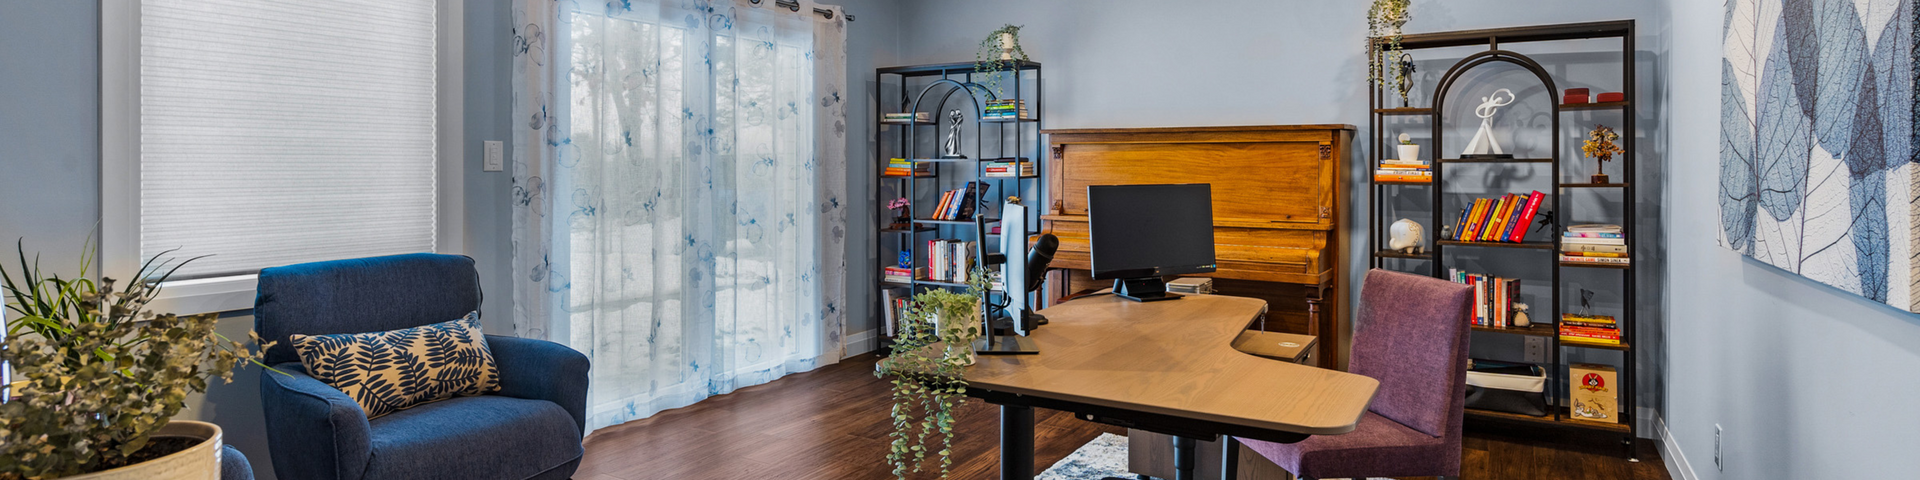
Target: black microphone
column 1038, row 259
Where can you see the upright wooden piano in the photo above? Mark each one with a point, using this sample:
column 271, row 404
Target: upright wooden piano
column 1278, row 210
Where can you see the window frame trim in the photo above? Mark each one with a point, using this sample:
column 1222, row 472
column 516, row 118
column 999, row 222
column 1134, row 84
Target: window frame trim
column 119, row 246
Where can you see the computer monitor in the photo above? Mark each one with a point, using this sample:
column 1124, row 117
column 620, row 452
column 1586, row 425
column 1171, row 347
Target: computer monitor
column 1141, row 233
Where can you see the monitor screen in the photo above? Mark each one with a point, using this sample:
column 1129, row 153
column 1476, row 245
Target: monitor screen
column 1150, row 230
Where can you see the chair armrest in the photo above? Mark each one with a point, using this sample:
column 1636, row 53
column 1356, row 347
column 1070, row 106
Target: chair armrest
column 314, row 431
column 542, row 370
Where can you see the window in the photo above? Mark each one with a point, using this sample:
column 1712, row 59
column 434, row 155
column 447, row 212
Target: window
column 260, row 134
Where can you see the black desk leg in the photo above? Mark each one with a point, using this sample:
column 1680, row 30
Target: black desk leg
column 1183, row 458
column 1229, row 458
column 1016, row 442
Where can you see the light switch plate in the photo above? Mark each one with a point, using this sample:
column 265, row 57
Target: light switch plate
column 494, row 161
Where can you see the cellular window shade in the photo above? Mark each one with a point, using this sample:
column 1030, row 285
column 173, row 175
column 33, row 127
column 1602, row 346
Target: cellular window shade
column 274, row 133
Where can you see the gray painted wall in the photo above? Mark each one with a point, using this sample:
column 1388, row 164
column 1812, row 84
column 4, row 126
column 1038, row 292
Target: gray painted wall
column 1806, row 380
column 1142, row 63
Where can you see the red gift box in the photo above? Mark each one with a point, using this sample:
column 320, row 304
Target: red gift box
column 1612, row 97
column 1571, row 99
column 1576, row 91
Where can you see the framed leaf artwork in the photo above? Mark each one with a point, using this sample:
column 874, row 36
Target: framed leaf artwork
column 1817, row 158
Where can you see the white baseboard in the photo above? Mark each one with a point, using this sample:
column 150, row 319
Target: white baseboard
column 861, row 342
column 1677, row 465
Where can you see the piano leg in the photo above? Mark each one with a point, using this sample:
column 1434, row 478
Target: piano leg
column 1320, row 324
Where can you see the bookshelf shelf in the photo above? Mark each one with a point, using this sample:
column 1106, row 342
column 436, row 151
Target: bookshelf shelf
column 1564, row 107
column 1535, row 330
column 1533, row 245
column 1395, row 254
column 1496, row 160
column 935, row 90
column 1440, row 204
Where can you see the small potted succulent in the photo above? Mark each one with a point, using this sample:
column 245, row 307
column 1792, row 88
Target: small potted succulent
column 1409, row 151
column 1600, row 146
column 926, row 369
column 101, row 377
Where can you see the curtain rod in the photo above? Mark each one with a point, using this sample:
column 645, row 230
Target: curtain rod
column 794, row 5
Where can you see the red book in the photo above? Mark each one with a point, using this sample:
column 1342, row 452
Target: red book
column 1611, row 97
column 1526, row 217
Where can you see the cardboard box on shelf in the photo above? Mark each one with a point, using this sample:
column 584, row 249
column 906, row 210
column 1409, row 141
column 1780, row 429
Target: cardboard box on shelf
column 1594, row 392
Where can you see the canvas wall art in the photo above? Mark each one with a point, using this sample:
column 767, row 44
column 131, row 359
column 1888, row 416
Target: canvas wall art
column 1817, row 172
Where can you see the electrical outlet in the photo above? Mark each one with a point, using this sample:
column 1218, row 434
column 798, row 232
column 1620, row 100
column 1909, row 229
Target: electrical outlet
column 1536, row 349
column 1717, row 464
column 493, row 160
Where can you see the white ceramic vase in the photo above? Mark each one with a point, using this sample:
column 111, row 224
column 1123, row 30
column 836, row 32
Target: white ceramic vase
column 1409, row 153
column 1006, row 46
column 199, row 462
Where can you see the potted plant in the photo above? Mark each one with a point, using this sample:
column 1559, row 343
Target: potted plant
column 1409, row 152
column 901, row 221
column 1384, row 21
column 927, row 367
column 103, row 376
column 1600, row 147
column 999, row 52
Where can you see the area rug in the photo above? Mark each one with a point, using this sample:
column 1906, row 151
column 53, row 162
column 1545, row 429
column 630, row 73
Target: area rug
column 1101, row 458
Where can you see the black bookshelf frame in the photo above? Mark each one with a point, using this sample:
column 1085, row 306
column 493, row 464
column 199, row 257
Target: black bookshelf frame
column 1435, row 258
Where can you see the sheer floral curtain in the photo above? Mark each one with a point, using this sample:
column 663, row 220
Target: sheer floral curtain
column 677, row 173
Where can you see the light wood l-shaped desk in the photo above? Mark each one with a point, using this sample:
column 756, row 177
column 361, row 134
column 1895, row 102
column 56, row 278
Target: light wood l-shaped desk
column 1166, row 367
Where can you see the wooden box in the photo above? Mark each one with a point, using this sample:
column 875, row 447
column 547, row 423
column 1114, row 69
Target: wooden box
column 1594, row 392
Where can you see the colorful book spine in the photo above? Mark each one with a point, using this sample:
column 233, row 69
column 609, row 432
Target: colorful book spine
column 1526, row 216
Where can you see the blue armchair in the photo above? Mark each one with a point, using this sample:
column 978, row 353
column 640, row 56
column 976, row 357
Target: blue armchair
column 530, row 429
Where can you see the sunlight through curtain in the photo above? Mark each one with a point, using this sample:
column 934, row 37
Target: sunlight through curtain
column 677, row 172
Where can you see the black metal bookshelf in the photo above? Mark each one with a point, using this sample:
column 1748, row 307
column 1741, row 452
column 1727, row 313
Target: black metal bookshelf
column 936, row 89
column 1438, row 256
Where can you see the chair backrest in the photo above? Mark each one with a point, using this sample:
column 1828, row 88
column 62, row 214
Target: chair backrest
column 1413, row 339
column 361, row 295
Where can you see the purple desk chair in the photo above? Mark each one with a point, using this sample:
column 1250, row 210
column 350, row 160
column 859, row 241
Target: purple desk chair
column 1413, row 339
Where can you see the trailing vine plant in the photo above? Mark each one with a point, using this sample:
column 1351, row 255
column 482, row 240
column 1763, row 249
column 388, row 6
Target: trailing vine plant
column 929, row 359
column 987, row 61
column 1384, row 20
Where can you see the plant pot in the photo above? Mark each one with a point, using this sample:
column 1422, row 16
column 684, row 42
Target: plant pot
column 1409, row 153
column 199, row 462
column 1006, row 46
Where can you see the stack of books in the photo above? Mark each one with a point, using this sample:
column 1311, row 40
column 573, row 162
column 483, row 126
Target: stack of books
column 1493, row 297
column 1593, row 329
column 1003, row 167
column 1503, row 219
column 1595, row 244
column 896, row 301
column 1394, row 170
column 900, row 167
column 903, row 274
column 949, row 260
column 905, row 117
column 1008, row 109
column 957, row 204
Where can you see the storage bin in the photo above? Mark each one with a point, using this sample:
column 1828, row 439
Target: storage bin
column 1507, row 387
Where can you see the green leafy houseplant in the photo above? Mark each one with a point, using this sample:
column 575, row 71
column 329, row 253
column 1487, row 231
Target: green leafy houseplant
column 101, row 372
column 989, row 61
column 930, row 356
column 1384, row 19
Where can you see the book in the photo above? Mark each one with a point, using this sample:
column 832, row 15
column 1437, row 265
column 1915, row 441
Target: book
column 1589, row 247
column 1595, row 254
column 1497, row 220
column 1403, row 178
column 1594, row 228
column 1593, row 235
column 1599, row 260
column 1606, row 319
column 1593, row 241
column 1526, row 216
column 1478, row 220
column 1513, row 219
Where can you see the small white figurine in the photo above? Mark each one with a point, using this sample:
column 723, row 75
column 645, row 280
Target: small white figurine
column 1406, row 236
column 1520, row 315
column 1483, row 143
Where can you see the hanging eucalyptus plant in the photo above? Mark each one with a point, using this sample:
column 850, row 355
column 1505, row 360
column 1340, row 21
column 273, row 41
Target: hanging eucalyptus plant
column 1384, row 20
column 930, row 357
column 999, row 52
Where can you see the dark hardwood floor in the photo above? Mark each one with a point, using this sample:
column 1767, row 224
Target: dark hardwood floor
column 832, row 423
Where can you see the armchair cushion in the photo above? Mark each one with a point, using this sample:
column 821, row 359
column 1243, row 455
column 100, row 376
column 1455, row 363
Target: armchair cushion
column 484, row 437
column 1378, row 447
column 389, row 371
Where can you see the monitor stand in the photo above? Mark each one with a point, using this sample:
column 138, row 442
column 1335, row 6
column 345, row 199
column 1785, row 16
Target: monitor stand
column 1145, row 289
column 1005, row 344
